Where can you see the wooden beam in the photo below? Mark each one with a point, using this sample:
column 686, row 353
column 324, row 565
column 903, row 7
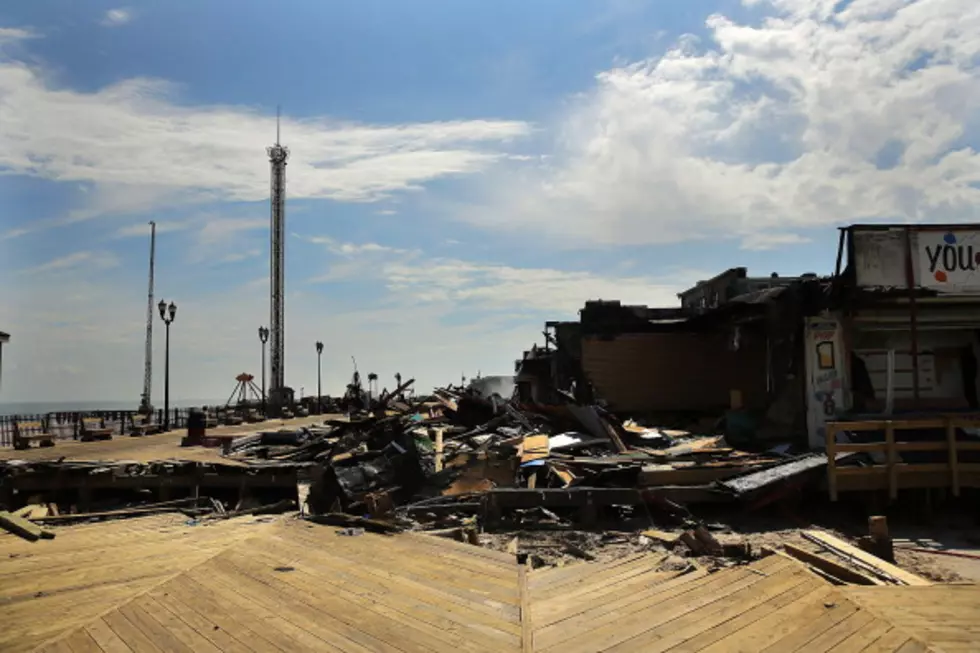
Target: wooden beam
column 865, row 560
column 22, row 527
column 828, row 566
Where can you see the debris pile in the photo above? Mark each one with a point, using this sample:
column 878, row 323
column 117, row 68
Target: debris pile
column 465, row 455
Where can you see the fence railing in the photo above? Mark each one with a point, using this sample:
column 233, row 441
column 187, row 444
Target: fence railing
column 67, row 425
column 949, row 471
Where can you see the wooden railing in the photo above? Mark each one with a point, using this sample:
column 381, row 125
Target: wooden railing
column 896, row 474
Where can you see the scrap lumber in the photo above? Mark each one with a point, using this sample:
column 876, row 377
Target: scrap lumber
column 670, row 539
column 707, row 540
column 871, row 563
column 25, row 529
column 343, row 519
column 163, row 506
column 534, row 447
column 834, row 569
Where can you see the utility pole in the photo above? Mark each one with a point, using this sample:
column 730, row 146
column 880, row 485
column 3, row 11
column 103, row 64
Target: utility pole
column 146, row 406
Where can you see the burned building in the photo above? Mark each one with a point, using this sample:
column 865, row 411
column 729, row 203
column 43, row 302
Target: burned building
column 742, row 353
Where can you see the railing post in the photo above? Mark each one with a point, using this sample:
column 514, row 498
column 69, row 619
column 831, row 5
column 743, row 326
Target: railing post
column 954, row 467
column 831, row 440
column 892, row 460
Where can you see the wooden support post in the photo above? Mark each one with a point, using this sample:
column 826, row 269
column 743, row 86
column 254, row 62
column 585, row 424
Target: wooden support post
column 831, row 441
column 439, row 448
column 954, row 467
column 892, row 460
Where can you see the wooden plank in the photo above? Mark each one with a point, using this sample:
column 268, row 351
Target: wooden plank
column 527, row 631
column 81, row 642
column 774, row 626
column 25, row 529
column 860, row 640
column 130, row 634
column 615, row 621
column 813, row 626
column 824, row 564
column 833, row 636
column 152, row 629
column 175, row 626
column 421, row 612
column 469, row 602
column 370, row 628
column 264, row 610
column 106, row 638
column 679, row 631
column 846, row 550
column 743, row 619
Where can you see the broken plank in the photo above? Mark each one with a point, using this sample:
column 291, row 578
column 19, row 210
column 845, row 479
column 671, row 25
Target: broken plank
column 662, row 536
column 872, row 563
column 826, row 565
column 22, row 527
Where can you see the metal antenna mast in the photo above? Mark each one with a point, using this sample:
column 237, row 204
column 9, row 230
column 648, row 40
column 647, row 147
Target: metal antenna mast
column 145, row 406
column 277, row 286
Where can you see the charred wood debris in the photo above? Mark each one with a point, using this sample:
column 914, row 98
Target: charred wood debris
column 457, row 463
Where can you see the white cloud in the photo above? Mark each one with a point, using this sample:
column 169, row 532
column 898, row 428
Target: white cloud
column 515, row 290
column 15, row 34
column 808, row 118
column 767, row 241
column 117, row 17
column 408, row 274
column 235, row 257
column 220, row 230
column 76, row 260
column 139, row 148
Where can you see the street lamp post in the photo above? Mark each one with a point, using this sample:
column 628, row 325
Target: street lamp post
column 263, row 338
column 167, row 314
column 319, row 390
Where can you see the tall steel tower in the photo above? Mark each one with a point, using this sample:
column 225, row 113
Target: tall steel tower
column 146, row 401
column 277, row 277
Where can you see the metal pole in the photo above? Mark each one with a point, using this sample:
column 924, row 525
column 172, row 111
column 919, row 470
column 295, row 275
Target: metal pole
column 263, row 379
column 319, row 393
column 166, row 382
column 913, row 315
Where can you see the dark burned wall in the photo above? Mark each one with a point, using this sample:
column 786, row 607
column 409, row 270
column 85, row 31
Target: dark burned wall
column 675, row 372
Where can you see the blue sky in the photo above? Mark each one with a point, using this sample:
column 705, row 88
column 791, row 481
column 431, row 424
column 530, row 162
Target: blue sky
column 460, row 171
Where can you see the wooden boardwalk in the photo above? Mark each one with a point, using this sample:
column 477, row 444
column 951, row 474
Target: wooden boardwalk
column 150, row 448
column 51, row 586
column 291, row 585
column 945, row 615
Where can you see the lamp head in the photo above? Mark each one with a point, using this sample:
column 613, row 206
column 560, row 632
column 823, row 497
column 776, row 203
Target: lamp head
column 173, row 311
column 163, row 309
column 319, row 347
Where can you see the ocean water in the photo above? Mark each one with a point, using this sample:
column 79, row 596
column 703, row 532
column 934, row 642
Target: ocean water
column 42, row 407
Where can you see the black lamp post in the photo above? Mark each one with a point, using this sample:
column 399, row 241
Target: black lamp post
column 167, row 314
column 319, row 390
column 263, row 338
